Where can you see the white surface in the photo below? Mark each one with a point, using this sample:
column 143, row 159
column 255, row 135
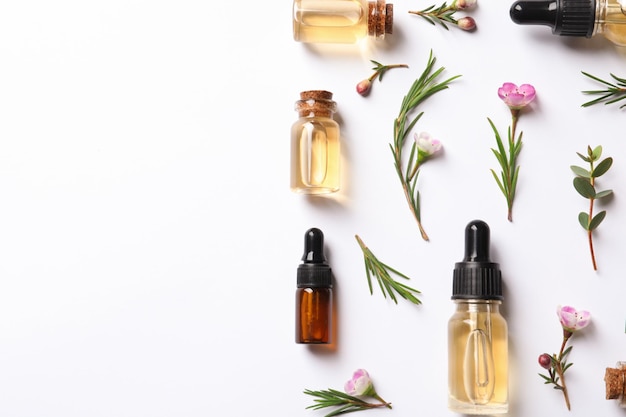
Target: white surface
column 149, row 240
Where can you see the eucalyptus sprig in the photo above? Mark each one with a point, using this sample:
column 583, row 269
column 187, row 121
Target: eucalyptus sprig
column 444, row 14
column 584, row 183
column 422, row 88
column 346, row 403
column 614, row 92
column 382, row 272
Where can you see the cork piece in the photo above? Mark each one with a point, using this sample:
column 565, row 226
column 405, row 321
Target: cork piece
column 316, row 103
column 379, row 18
column 614, row 381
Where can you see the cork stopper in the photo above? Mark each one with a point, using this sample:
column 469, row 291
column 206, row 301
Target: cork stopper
column 316, row 103
column 380, row 18
column 615, row 380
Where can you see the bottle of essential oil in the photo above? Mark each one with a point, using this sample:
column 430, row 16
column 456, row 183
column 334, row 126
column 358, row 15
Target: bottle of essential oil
column 314, row 295
column 575, row 17
column 477, row 333
column 315, row 150
column 340, row 21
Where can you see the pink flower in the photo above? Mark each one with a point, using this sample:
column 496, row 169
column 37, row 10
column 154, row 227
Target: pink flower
column 571, row 319
column 426, row 145
column 364, row 87
column 360, row 384
column 466, row 23
column 516, row 97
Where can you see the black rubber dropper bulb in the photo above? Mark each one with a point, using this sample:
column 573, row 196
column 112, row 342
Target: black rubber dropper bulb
column 476, row 277
column 565, row 17
column 314, row 270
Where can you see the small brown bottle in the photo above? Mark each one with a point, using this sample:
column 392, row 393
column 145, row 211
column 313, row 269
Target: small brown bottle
column 314, row 296
column 315, row 146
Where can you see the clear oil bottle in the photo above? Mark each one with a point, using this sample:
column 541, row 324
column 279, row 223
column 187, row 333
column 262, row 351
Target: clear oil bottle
column 477, row 332
column 584, row 18
column 340, row 21
column 315, row 145
column 314, row 294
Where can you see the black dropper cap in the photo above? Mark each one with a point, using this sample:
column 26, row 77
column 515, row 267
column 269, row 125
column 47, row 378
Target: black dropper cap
column 314, row 270
column 565, row 17
column 476, row 277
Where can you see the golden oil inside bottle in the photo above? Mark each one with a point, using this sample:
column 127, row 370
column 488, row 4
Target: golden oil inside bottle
column 315, row 145
column 336, row 21
column 340, row 21
column 478, row 358
column 611, row 22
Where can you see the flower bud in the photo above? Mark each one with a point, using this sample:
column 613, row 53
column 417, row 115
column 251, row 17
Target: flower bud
column 466, row 23
column 364, row 87
column 464, row 4
column 545, row 361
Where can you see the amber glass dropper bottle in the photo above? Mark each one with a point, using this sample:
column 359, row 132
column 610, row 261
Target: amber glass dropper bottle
column 314, row 295
column 583, row 18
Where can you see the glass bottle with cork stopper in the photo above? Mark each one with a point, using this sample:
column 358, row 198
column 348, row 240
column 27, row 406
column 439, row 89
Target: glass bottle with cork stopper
column 477, row 332
column 582, row 18
column 341, row 21
column 315, row 145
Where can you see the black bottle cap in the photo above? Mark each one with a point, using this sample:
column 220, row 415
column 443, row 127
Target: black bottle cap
column 565, row 17
column 314, row 270
column 476, row 277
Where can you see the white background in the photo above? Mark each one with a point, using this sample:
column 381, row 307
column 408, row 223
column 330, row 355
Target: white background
column 149, row 240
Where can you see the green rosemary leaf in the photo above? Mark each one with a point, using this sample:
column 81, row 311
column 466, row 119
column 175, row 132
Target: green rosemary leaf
column 593, row 77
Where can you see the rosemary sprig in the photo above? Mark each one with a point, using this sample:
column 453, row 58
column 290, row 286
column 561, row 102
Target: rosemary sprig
column 507, row 158
column 612, row 94
column 422, row 88
column 382, row 272
column 346, row 403
column 441, row 14
column 584, row 183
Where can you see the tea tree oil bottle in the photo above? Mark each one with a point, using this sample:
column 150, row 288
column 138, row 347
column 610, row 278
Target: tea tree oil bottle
column 315, row 145
column 340, row 21
column 314, row 295
column 585, row 18
column 477, row 333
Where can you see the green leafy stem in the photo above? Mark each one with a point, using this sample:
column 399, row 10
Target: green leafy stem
column 346, row 403
column 442, row 14
column 584, row 183
column 422, row 88
column 556, row 372
column 614, row 92
column 382, row 272
column 507, row 158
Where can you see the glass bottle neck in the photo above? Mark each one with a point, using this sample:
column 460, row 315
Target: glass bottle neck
column 478, row 305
